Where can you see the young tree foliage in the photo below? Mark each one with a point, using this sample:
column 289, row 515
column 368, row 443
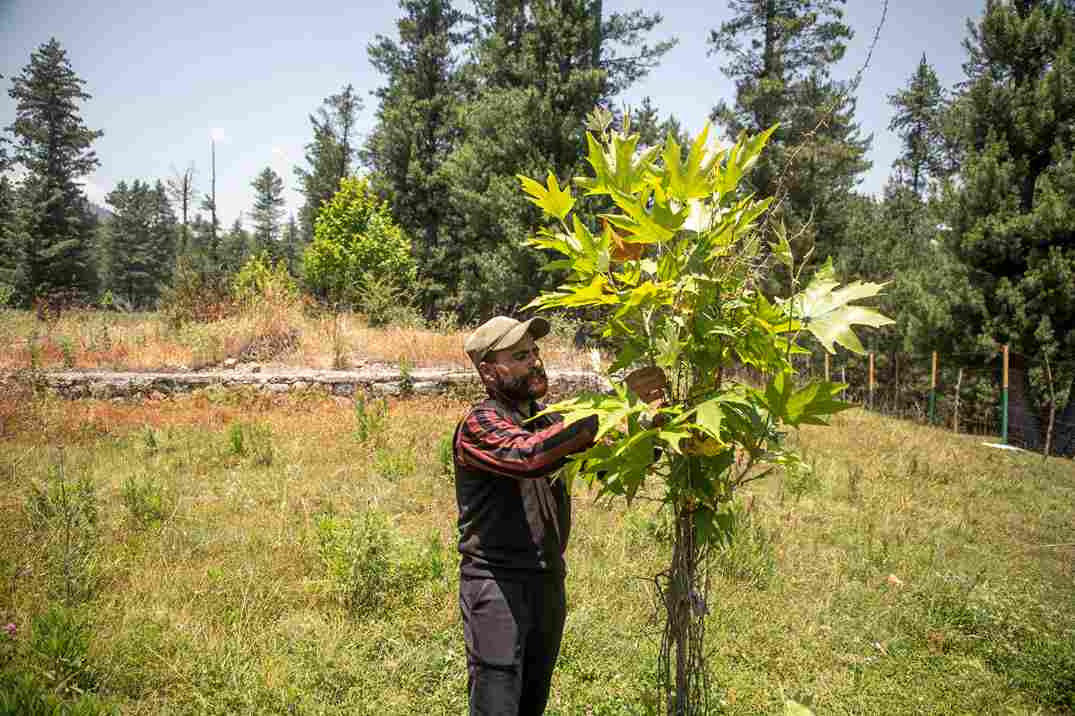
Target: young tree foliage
column 356, row 240
column 676, row 266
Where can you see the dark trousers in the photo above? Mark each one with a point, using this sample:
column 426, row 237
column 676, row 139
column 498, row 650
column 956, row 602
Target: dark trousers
column 513, row 630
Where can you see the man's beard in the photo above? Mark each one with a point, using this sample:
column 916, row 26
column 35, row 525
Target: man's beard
column 525, row 387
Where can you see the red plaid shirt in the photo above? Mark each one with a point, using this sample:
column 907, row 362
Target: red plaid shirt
column 512, row 516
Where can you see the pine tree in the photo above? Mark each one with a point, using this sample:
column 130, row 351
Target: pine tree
column 780, row 54
column 140, row 242
column 1012, row 212
column 917, row 121
column 165, row 232
column 331, row 155
column 8, row 246
column 417, row 128
column 292, row 246
column 268, row 212
column 235, row 248
column 53, row 147
column 540, row 67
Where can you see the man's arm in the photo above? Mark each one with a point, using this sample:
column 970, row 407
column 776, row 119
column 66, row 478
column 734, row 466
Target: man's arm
column 491, row 442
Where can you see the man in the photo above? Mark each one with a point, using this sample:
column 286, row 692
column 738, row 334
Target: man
column 514, row 519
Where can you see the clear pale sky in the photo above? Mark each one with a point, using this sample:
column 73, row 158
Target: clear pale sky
column 166, row 76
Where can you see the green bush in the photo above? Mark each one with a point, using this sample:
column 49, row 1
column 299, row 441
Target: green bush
column 371, row 566
column 356, row 241
column 259, row 277
column 146, row 501
column 196, row 295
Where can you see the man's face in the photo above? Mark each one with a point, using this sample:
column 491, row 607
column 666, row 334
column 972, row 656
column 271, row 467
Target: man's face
column 517, row 373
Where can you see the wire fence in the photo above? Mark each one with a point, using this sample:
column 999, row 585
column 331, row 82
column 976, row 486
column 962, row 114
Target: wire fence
column 1007, row 397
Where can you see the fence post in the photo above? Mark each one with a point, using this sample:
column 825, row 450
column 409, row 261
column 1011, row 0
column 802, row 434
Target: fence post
column 870, row 404
column 933, row 392
column 1004, row 399
column 955, row 413
column 827, row 367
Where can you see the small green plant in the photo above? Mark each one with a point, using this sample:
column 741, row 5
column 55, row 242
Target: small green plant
column 67, row 351
column 7, row 292
column 370, row 565
column 146, row 501
column 58, row 645
column 63, row 512
column 801, row 480
column 149, row 439
column 446, row 454
column 406, row 378
column 370, row 417
column 251, row 441
column 394, row 464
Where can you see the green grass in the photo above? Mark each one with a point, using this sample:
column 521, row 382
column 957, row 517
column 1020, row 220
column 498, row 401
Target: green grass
column 270, row 555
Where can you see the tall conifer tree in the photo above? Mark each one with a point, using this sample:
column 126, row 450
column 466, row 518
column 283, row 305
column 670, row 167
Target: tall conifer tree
column 331, row 155
column 918, row 122
column 780, row 54
column 53, row 146
column 417, row 128
column 1012, row 212
column 540, row 67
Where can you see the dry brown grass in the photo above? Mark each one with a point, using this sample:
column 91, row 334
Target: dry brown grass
column 280, row 333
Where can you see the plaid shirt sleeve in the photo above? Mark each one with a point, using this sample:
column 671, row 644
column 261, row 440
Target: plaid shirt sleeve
column 492, row 442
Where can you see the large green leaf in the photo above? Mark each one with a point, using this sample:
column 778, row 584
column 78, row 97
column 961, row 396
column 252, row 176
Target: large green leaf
column 826, row 311
column 552, row 199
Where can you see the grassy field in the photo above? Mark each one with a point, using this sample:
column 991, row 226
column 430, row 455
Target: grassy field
column 227, row 553
column 279, row 333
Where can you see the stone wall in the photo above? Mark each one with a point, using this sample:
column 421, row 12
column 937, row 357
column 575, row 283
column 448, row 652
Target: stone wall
column 109, row 385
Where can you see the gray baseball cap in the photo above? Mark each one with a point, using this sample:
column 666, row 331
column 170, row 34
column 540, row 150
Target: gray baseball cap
column 501, row 332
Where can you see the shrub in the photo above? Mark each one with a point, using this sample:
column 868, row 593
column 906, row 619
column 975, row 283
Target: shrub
column 146, row 501
column 260, row 278
column 196, row 295
column 370, row 565
column 355, row 238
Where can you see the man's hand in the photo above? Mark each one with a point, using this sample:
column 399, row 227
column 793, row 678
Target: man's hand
column 648, row 383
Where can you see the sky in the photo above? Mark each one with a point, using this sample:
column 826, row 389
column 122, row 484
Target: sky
column 168, row 77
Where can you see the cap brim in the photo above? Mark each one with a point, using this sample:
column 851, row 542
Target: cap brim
column 537, row 327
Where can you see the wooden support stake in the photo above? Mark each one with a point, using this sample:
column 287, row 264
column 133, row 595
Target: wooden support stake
column 933, row 392
column 871, row 380
column 827, row 379
column 955, row 416
column 1004, row 399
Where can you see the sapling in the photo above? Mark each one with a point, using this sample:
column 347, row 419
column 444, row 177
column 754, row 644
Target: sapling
column 676, row 265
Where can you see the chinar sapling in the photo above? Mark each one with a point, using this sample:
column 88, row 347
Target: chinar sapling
column 676, row 268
